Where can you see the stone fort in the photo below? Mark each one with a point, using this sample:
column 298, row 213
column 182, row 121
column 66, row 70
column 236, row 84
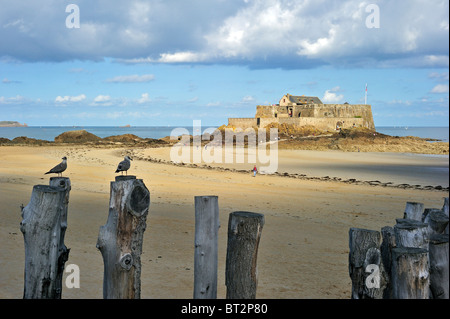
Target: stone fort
column 308, row 111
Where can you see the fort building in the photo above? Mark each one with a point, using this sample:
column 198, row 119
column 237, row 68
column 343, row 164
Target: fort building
column 308, row 111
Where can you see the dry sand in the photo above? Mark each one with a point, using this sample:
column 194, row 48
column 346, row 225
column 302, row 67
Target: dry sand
column 303, row 251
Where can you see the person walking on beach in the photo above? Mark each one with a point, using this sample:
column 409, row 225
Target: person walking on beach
column 255, row 170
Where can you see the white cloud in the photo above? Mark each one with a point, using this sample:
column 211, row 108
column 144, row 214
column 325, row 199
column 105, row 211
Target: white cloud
column 331, row 96
column 439, row 76
column 63, row 99
column 144, row 98
column 132, row 78
column 319, row 46
column 102, row 99
column 14, row 99
column 400, row 102
column 440, row 88
column 248, row 98
column 178, row 57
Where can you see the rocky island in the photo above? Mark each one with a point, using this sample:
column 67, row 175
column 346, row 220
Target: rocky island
column 12, row 124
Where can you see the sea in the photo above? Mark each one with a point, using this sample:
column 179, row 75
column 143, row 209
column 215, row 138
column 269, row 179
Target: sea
column 50, row 132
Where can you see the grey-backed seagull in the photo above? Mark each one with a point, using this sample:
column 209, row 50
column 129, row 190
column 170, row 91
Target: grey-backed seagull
column 61, row 167
column 124, row 165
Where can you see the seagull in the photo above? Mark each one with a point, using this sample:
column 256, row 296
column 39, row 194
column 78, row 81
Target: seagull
column 124, row 165
column 61, row 167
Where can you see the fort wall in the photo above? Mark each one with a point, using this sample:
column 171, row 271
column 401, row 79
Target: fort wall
column 321, row 116
column 324, row 124
column 360, row 114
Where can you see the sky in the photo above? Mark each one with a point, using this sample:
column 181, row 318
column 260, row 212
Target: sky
column 151, row 63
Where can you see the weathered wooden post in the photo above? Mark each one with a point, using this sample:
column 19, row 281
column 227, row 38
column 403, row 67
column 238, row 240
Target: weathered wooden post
column 120, row 240
column 413, row 211
column 366, row 269
column 241, row 273
column 439, row 266
column 445, row 209
column 437, row 221
column 410, row 273
column 206, row 247
column 411, row 233
column 65, row 184
column 387, row 244
column 43, row 226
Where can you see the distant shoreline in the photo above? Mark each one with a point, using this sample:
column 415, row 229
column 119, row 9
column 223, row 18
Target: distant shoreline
column 345, row 141
column 12, row 124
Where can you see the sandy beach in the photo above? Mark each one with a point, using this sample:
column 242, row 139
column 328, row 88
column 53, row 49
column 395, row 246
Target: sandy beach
column 303, row 251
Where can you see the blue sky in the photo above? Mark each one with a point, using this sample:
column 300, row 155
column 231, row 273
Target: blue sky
column 171, row 62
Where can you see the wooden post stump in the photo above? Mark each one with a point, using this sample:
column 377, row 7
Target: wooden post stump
column 411, row 233
column 366, row 269
column 410, row 273
column 439, row 266
column 413, row 211
column 241, row 274
column 437, row 221
column 206, row 247
column 43, row 226
column 120, row 240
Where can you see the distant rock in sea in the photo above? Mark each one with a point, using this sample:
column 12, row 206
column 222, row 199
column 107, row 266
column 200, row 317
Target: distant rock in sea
column 12, row 124
column 80, row 136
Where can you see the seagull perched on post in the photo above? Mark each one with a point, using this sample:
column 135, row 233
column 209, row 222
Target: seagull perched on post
column 61, row 167
column 124, row 165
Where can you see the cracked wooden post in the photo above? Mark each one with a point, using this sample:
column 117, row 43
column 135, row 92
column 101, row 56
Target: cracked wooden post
column 387, row 244
column 206, row 247
column 120, row 240
column 437, row 221
column 413, row 211
column 43, row 226
column 439, row 266
column 365, row 264
column 445, row 210
column 241, row 274
column 410, row 273
column 411, row 233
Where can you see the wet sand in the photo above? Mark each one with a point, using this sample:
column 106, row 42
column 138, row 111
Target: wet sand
column 395, row 168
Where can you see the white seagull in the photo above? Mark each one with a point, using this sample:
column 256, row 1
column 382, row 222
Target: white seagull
column 61, row 167
column 124, row 165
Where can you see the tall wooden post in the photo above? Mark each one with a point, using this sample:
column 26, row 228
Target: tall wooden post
column 206, row 247
column 43, row 226
column 439, row 266
column 64, row 183
column 241, row 273
column 120, row 240
column 366, row 269
column 410, row 273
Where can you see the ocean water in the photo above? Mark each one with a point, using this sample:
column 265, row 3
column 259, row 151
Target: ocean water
column 439, row 133
column 50, row 132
